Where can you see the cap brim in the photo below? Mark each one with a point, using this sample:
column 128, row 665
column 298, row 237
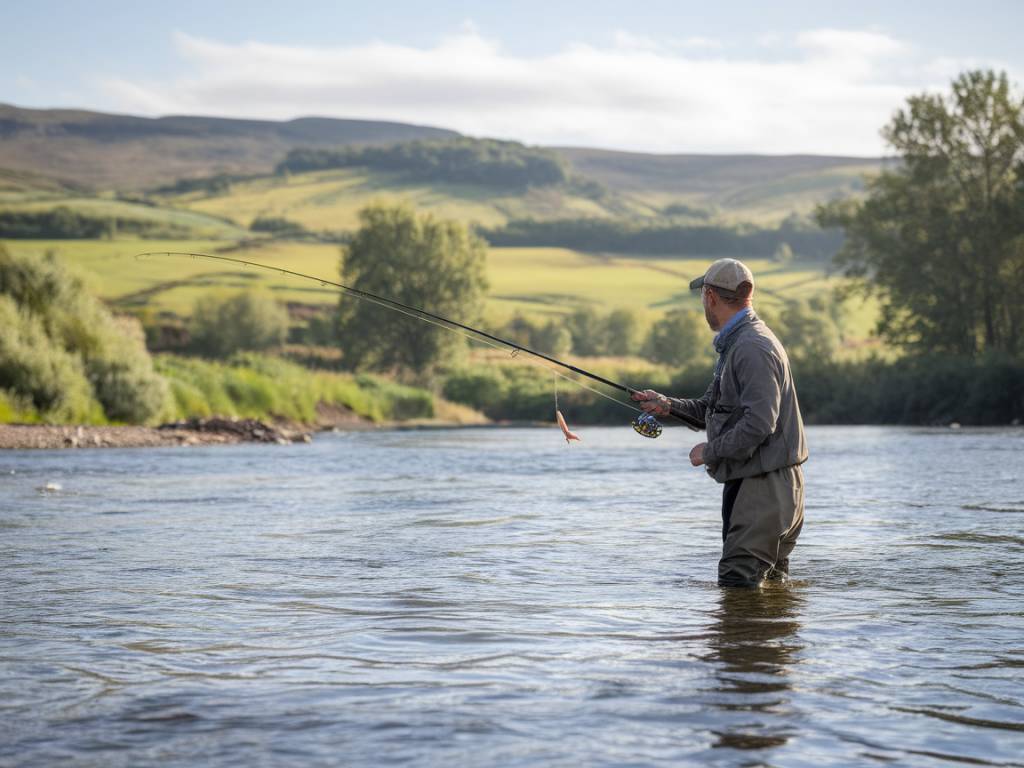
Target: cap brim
column 698, row 283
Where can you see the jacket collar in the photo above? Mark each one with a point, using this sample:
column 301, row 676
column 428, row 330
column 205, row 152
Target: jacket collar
column 726, row 336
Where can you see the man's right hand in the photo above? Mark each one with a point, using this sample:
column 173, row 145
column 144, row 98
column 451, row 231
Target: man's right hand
column 652, row 402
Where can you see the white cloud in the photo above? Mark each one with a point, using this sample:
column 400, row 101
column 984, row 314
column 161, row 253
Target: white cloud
column 696, row 42
column 830, row 93
column 628, row 40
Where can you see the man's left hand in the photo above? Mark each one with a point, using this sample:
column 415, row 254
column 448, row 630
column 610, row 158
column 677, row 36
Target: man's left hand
column 697, row 454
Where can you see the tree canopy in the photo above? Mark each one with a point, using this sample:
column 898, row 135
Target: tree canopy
column 940, row 240
column 248, row 320
column 417, row 260
column 467, row 161
column 801, row 238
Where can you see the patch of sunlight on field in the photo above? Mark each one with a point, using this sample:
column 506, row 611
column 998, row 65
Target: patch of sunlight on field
column 109, row 266
column 558, row 280
column 548, row 282
column 766, row 203
column 173, row 283
column 539, row 283
column 772, row 201
column 197, row 277
column 197, row 224
column 331, row 200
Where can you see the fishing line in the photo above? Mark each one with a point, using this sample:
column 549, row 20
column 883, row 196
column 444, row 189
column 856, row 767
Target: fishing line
column 643, row 424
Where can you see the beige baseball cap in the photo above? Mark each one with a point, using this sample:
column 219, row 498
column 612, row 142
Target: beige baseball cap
column 726, row 274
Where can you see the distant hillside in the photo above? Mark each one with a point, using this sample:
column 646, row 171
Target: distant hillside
column 125, row 152
column 759, row 186
column 132, row 154
column 331, row 200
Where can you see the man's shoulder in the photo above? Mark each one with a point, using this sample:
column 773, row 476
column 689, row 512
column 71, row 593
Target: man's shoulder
column 758, row 345
column 757, row 335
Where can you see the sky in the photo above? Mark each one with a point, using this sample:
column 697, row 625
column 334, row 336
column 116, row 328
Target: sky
column 672, row 77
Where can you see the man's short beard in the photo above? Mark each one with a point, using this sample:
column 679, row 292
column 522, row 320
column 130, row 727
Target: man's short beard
column 710, row 318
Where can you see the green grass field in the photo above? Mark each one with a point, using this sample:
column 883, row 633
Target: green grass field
column 196, row 224
column 758, row 189
column 537, row 282
column 330, row 200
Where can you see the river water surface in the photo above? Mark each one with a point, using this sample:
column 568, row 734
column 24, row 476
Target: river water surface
column 495, row 597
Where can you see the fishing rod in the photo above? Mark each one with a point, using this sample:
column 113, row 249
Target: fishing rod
column 644, row 424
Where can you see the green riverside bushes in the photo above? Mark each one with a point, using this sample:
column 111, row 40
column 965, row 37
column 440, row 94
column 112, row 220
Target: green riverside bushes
column 40, row 372
column 921, row 391
column 248, row 320
column 251, row 385
column 63, row 351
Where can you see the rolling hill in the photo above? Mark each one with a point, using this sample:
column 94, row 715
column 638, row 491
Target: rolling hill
column 108, row 168
column 753, row 187
column 330, row 200
column 132, row 153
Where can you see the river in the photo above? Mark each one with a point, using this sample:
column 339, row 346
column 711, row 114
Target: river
column 496, row 597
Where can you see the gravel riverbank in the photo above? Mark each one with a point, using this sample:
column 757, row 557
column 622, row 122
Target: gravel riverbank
column 191, row 432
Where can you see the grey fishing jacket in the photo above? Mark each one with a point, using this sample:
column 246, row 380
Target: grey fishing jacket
column 750, row 408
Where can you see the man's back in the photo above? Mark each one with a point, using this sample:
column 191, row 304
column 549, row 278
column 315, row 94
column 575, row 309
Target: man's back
column 753, row 417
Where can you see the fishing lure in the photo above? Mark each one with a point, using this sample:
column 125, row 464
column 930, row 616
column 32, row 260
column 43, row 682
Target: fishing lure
column 569, row 435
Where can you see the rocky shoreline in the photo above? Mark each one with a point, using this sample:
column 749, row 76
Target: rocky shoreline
column 213, row 431
column 208, row 431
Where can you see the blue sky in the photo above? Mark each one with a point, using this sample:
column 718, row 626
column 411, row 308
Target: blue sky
column 659, row 76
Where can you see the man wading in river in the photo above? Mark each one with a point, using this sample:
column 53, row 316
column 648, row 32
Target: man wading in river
column 755, row 436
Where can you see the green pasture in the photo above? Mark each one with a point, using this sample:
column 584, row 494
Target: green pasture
column 554, row 281
column 331, row 200
column 536, row 282
column 196, row 224
column 763, row 202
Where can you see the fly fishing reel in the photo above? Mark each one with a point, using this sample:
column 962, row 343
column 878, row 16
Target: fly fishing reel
column 645, row 424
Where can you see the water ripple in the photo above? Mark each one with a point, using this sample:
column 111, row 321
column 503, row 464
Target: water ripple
column 497, row 600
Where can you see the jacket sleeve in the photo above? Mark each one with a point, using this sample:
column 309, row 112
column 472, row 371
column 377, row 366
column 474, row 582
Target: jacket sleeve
column 695, row 409
column 759, row 373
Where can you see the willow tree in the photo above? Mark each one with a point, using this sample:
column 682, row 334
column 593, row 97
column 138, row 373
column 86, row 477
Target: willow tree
column 940, row 239
column 417, row 260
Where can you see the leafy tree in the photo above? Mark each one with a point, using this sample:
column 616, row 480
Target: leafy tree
column 588, row 332
column 621, row 332
column 552, row 338
column 59, row 223
column 520, row 330
column 940, row 240
column 679, row 338
column 421, row 261
column 783, row 254
column 808, row 330
column 278, row 226
column 249, row 320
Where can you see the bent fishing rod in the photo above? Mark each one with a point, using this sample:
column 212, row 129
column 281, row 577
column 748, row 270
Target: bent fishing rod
column 645, row 424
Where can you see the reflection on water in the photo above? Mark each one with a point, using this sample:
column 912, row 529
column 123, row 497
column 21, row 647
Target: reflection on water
column 491, row 597
column 753, row 645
